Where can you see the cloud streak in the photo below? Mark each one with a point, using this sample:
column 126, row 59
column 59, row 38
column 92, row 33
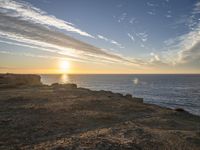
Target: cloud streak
column 186, row 48
column 131, row 37
column 109, row 40
column 25, row 11
column 25, row 24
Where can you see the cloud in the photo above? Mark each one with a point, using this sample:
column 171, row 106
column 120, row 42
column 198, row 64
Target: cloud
column 169, row 11
column 131, row 37
column 197, row 8
column 155, row 57
column 157, row 61
column 57, row 54
column 103, row 38
column 119, row 6
column 143, row 36
column 30, row 55
column 25, row 25
column 109, row 40
column 151, row 13
column 133, row 20
column 190, row 55
column 169, row 42
column 32, row 33
column 116, row 43
column 26, row 11
column 122, row 17
column 189, row 47
column 186, row 48
column 150, row 4
column 168, row 16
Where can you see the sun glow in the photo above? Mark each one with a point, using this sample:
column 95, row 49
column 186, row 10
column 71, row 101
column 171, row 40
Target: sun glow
column 64, row 66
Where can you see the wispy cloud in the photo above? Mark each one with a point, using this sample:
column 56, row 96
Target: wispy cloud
column 151, row 4
column 51, row 51
column 197, row 8
column 109, row 40
column 133, row 20
column 151, row 12
column 186, row 48
column 189, row 47
column 122, row 17
column 26, row 11
column 143, row 36
column 30, row 55
column 29, row 26
column 24, row 25
column 131, row 37
column 168, row 16
column 155, row 57
column 190, row 42
column 103, row 38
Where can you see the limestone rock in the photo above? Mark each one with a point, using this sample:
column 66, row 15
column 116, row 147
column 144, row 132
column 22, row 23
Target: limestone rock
column 69, row 85
column 16, row 80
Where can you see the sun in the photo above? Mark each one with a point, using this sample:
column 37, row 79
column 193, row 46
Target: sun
column 64, row 66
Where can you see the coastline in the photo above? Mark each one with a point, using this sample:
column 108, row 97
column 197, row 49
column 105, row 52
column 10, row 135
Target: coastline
column 37, row 116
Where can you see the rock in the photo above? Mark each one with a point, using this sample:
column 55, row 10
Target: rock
column 73, row 86
column 59, row 148
column 179, row 109
column 16, row 80
column 5, row 121
column 55, row 84
column 138, row 99
column 129, row 96
column 106, row 93
column 119, row 95
column 84, row 89
column 69, row 85
column 64, row 117
column 105, row 144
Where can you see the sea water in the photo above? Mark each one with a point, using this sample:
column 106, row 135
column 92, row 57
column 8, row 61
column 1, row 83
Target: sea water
column 173, row 91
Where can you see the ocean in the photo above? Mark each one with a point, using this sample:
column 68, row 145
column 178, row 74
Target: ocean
column 173, row 91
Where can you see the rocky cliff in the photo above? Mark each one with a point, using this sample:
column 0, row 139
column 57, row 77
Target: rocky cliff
column 16, row 80
column 66, row 117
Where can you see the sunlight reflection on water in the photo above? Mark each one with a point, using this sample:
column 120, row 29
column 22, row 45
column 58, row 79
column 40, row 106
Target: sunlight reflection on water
column 64, row 78
column 135, row 81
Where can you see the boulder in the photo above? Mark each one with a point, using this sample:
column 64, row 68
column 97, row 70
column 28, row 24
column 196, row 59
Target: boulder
column 179, row 109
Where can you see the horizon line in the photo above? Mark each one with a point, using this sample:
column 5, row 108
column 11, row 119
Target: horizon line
column 106, row 73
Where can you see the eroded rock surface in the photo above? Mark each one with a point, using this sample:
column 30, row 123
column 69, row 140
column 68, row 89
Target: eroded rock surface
column 17, row 80
column 63, row 117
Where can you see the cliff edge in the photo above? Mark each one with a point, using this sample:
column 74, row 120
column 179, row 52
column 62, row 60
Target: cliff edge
column 66, row 117
column 16, row 80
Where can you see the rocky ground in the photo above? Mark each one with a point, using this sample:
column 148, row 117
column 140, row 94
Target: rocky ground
column 63, row 117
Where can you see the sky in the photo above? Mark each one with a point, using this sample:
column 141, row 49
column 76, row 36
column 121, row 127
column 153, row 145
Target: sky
column 100, row 36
